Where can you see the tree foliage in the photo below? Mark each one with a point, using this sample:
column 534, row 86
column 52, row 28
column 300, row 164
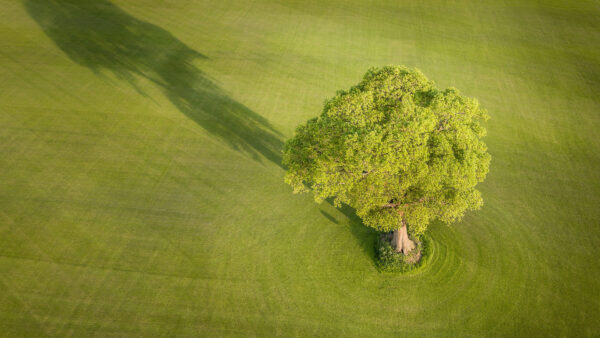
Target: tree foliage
column 393, row 147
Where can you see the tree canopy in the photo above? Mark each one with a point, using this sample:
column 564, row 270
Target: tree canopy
column 396, row 149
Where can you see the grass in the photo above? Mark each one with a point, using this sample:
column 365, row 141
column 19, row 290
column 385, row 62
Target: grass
column 141, row 192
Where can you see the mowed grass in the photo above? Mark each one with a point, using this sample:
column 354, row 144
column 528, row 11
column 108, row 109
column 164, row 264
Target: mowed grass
column 141, row 192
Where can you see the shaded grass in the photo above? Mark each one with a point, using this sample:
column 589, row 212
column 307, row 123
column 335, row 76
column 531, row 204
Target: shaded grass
column 139, row 191
column 102, row 37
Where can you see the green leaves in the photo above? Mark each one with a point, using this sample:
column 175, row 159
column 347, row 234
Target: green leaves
column 393, row 146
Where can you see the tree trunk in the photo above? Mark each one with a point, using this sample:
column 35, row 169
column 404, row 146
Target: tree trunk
column 401, row 241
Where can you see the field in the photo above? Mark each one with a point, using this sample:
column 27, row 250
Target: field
column 141, row 192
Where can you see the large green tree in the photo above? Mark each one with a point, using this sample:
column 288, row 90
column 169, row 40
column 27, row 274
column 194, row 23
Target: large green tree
column 396, row 149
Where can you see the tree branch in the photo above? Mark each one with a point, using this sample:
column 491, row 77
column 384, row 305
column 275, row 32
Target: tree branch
column 395, row 205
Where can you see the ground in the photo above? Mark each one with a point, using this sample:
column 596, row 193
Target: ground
column 141, row 191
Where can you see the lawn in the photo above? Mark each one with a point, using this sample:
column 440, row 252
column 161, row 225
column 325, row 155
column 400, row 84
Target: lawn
column 141, row 192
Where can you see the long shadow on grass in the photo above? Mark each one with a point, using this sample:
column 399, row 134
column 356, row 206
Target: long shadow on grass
column 102, row 37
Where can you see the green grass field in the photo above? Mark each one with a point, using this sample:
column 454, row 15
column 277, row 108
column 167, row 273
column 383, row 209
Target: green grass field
column 141, row 192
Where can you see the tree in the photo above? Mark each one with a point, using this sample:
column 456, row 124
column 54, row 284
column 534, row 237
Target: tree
column 397, row 150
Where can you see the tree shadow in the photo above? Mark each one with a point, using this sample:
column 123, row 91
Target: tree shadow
column 101, row 36
column 329, row 217
column 365, row 236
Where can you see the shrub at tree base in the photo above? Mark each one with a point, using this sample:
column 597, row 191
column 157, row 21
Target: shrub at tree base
column 389, row 260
